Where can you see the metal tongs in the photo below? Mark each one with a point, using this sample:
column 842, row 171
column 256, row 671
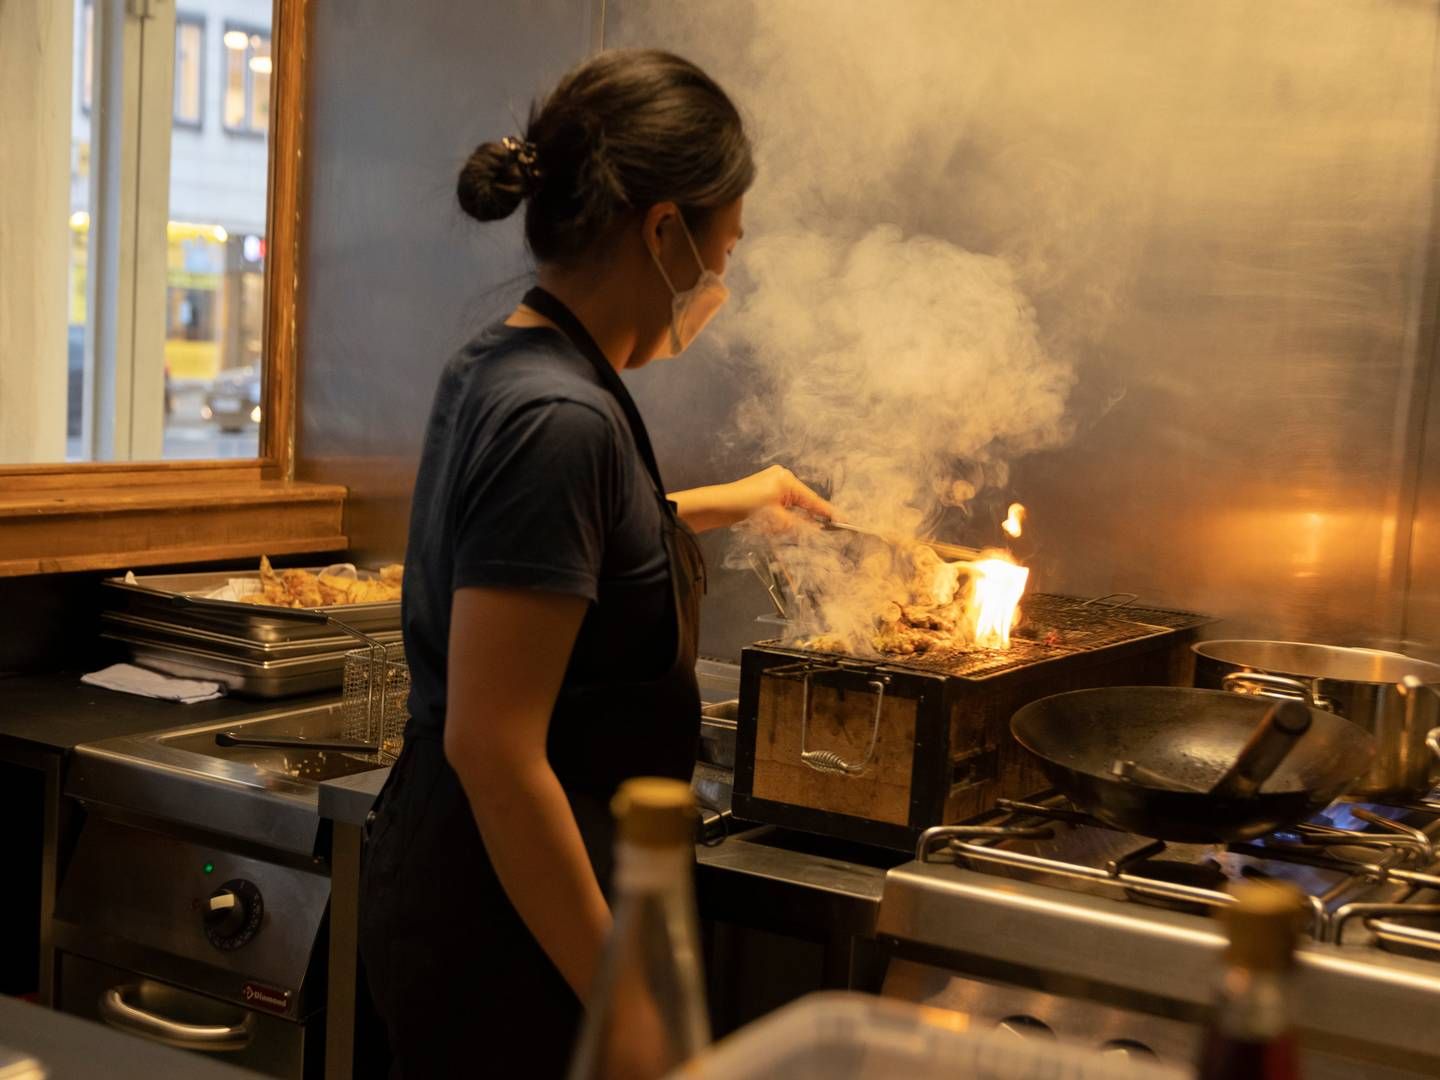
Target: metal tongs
column 953, row 552
column 769, row 575
column 1268, row 746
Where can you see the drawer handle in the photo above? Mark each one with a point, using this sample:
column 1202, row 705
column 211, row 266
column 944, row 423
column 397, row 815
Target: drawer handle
column 215, row 1038
column 828, row 761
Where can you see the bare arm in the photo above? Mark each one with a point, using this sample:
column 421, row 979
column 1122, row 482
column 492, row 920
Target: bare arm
column 507, row 657
column 722, row 505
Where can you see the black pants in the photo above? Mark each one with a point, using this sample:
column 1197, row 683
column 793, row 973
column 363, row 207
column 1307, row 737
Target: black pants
column 463, row 988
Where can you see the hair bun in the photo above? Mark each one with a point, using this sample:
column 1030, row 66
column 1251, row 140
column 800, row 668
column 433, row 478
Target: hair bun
column 492, row 183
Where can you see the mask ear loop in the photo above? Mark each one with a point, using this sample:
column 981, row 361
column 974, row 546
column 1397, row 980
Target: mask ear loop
column 655, row 257
column 693, row 249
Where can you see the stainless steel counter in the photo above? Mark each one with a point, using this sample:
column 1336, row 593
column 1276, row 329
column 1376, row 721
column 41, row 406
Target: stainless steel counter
column 74, row 1049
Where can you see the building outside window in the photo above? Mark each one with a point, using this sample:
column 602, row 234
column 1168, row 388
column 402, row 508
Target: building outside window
column 213, row 235
column 247, row 79
column 189, row 70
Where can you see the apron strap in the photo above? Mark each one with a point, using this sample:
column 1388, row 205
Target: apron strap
column 551, row 307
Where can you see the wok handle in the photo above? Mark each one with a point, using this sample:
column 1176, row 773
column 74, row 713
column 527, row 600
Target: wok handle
column 1273, row 739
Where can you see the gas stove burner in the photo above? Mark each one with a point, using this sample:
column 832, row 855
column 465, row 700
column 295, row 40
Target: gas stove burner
column 1346, row 815
column 1381, row 874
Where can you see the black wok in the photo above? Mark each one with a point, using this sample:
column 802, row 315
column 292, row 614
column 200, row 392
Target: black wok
column 1181, row 742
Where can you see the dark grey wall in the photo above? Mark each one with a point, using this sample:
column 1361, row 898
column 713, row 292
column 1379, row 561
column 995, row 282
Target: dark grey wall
column 395, row 276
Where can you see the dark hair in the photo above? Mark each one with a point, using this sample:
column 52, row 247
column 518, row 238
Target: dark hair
column 625, row 130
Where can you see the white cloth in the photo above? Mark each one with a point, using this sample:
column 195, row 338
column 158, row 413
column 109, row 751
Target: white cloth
column 129, row 679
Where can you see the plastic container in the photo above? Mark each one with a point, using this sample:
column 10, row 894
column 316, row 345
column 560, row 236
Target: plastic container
column 847, row 1036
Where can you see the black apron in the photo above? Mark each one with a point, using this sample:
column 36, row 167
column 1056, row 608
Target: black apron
column 462, row 986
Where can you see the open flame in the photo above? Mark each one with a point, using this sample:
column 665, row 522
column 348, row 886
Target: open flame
column 898, row 598
column 996, row 585
column 1014, row 521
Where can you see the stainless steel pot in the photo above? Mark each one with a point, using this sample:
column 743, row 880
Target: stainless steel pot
column 1392, row 696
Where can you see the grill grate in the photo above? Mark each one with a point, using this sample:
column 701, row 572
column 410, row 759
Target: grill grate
column 1053, row 627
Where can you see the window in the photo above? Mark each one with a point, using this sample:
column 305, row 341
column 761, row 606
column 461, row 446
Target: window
column 166, row 253
column 189, row 70
column 247, row 80
column 87, row 55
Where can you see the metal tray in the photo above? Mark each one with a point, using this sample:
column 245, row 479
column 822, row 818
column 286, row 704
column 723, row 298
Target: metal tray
column 261, row 679
column 239, row 648
column 151, row 598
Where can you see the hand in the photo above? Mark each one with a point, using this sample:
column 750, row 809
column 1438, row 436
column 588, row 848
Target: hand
column 778, row 487
column 775, row 490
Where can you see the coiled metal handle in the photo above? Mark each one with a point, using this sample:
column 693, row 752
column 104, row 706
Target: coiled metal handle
column 828, row 761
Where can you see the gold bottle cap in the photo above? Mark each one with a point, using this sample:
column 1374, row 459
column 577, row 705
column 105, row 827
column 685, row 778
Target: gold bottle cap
column 655, row 812
column 1264, row 923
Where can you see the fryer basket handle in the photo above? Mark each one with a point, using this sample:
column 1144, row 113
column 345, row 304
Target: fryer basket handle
column 227, row 609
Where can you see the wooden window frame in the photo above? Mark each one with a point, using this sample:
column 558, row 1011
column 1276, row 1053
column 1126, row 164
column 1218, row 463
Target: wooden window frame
column 112, row 515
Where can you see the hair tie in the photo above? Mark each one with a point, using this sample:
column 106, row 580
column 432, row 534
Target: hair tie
column 525, row 156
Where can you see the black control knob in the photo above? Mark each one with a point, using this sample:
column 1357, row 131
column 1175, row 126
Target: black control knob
column 233, row 914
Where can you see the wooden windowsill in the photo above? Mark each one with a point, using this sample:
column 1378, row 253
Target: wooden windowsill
column 112, row 526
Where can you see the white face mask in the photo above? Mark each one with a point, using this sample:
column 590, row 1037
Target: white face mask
column 692, row 309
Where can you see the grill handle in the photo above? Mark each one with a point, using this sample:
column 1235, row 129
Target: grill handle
column 116, row 1011
column 827, row 761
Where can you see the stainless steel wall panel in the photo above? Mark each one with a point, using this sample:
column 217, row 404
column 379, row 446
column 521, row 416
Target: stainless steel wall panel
column 1264, row 178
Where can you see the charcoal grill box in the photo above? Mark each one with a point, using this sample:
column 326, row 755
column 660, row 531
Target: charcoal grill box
column 878, row 750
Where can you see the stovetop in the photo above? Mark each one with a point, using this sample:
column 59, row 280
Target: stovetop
column 1037, row 896
column 1371, row 871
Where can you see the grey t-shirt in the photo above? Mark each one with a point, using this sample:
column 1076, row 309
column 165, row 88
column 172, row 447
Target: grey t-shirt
column 530, row 478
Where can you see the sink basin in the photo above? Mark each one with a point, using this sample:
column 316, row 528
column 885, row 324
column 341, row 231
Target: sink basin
column 265, row 796
column 322, row 722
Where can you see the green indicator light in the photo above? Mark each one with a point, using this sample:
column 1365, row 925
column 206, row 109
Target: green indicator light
column 209, row 868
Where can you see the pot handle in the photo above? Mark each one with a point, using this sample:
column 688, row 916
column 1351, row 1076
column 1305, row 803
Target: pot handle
column 1261, row 684
column 1408, row 687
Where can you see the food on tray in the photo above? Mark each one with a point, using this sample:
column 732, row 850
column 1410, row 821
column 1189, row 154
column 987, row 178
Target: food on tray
column 303, row 589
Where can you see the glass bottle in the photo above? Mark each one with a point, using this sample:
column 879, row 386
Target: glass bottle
column 1250, row 1035
column 647, row 1011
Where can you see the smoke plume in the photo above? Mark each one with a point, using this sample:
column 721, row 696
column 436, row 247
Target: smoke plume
column 907, row 324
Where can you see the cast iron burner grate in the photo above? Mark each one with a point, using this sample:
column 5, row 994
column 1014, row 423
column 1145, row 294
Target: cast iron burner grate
column 1045, row 840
